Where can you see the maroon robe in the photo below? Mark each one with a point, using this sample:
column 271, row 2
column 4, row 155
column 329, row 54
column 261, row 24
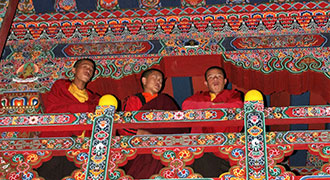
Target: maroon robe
column 211, row 165
column 161, row 102
column 225, row 99
column 144, row 165
column 60, row 100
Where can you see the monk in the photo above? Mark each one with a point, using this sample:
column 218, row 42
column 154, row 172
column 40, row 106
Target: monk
column 216, row 97
column 152, row 80
column 68, row 96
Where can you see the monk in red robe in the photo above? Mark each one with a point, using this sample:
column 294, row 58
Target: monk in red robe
column 72, row 96
column 68, row 96
column 144, row 165
column 217, row 97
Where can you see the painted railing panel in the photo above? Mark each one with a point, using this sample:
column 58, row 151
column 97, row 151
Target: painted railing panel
column 109, row 153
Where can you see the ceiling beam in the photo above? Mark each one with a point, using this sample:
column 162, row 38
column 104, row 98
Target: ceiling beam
column 7, row 21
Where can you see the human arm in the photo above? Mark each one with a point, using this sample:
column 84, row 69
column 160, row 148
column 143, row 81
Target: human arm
column 228, row 99
column 193, row 104
column 200, row 100
column 132, row 103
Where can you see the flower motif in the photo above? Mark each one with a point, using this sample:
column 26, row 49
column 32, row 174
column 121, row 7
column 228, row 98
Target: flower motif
column 32, row 158
column 210, row 137
column 14, row 175
column 123, row 144
column 50, row 146
column 184, row 154
column 160, row 143
column 167, row 115
column 291, row 138
column 168, row 173
column 218, row 139
column 136, row 141
column 33, row 119
column 201, row 141
column 67, row 144
column 116, row 156
column 62, row 119
column 179, row 115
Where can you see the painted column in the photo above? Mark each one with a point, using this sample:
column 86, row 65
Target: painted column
column 99, row 149
column 255, row 136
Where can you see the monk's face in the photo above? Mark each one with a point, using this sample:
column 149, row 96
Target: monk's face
column 153, row 82
column 215, row 81
column 84, row 71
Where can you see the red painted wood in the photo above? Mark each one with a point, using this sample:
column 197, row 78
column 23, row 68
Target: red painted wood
column 7, row 20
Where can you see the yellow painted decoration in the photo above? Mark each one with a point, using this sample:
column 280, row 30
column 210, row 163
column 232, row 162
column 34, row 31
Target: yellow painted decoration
column 253, row 95
column 108, row 99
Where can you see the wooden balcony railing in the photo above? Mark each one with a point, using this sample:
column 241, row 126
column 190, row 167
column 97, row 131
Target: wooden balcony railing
column 253, row 154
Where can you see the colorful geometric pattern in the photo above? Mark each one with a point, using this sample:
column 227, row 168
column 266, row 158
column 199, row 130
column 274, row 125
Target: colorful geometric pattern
column 253, row 9
column 175, row 161
column 39, row 144
column 200, row 27
column 323, row 177
column 20, row 102
column 173, row 150
column 168, row 116
column 111, row 48
column 107, row 4
column 80, row 159
column 16, row 165
column 300, row 43
column 322, row 151
column 288, row 41
column 99, row 149
column 122, row 118
column 41, row 68
column 3, row 9
column 45, row 119
column 66, row 5
column 255, row 138
column 313, row 163
column 295, row 112
column 25, row 7
column 149, row 3
column 119, row 158
column 207, row 141
column 51, row 70
column 156, row 27
column 22, row 164
column 292, row 60
column 193, row 3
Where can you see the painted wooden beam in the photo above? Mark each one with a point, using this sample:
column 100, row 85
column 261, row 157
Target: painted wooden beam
column 6, row 22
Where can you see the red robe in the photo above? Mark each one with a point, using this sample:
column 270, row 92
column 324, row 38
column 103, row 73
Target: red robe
column 225, row 99
column 144, row 165
column 161, row 102
column 60, row 100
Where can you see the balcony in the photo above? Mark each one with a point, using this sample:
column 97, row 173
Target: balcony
column 253, row 153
